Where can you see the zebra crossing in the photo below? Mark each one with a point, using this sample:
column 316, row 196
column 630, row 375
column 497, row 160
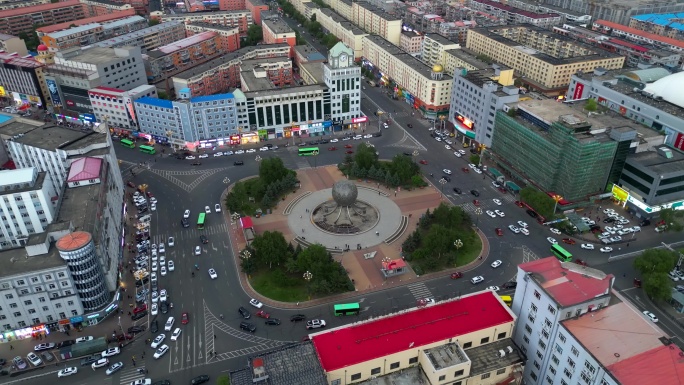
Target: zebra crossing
column 420, row 291
column 130, row 373
column 193, row 234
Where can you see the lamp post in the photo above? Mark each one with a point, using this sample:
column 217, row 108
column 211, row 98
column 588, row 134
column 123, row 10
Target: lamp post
column 121, row 327
column 442, row 182
column 458, row 244
column 307, row 277
column 246, row 255
column 380, row 113
column 556, row 198
column 292, row 132
column 441, row 118
column 478, row 212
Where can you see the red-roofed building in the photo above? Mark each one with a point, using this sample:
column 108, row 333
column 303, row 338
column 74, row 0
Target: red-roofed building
column 636, row 35
column 548, row 292
column 18, row 20
column 462, row 326
column 84, row 171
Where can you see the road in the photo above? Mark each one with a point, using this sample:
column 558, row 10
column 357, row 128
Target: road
column 179, row 186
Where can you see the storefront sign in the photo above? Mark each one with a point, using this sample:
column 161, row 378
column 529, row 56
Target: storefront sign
column 91, row 316
column 619, row 193
column 234, row 139
column 362, row 119
column 3, row 93
column 76, row 319
column 679, row 141
column 111, row 307
column 87, row 117
column 579, row 88
column 677, row 205
column 464, row 125
column 64, row 322
column 54, row 92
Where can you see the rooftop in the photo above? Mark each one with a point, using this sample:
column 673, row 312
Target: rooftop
column 138, row 34
column 112, row 15
column 568, row 283
column 378, row 11
column 405, row 57
column 17, row 261
column 661, row 365
column 669, row 20
column 495, row 33
column 17, row 127
column 643, row 34
column 181, row 44
column 348, row 25
column 517, row 11
column 16, row 60
column 4, row 37
column 208, row 26
column 485, row 358
column 156, row 102
column 81, row 208
column 51, row 137
column 278, row 26
column 95, row 55
column 440, row 39
column 295, row 364
column 658, row 163
column 468, row 56
column 16, row 177
column 315, row 69
column 227, row 58
column 309, row 53
column 38, row 8
column 85, row 169
column 313, row 89
column 74, row 30
column 205, row 14
column 367, row 340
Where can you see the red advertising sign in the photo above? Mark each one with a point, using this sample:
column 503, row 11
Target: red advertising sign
column 579, row 88
column 70, row 103
column 679, row 141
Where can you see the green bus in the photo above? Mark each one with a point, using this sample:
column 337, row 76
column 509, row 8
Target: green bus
column 308, row 151
column 147, row 150
column 561, row 253
column 127, row 143
column 347, row 309
column 200, row 221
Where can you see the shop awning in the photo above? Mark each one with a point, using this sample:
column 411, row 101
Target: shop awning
column 495, row 172
column 513, row 187
column 246, row 222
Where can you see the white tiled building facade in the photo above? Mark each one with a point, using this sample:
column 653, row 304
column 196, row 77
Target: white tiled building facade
column 343, row 78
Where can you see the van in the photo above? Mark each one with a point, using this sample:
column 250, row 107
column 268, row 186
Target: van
column 145, row 218
column 507, row 300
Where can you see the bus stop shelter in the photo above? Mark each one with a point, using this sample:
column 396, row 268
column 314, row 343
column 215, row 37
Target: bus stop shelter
column 513, row 187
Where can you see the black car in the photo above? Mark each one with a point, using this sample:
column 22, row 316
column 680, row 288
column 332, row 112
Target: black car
column 297, row 318
column 154, row 326
column 200, row 379
column 246, row 326
column 204, row 239
column 138, row 316
column 154, row 286
column 645, row 222
column 532, row 214
column 135, row 329
column 408, row 154
column 244, row 313
column 377, row 134
column 196, row 163
column 608, row 220
column 324, row 141
column 47, row 357
column 143, row 282
column 238, row 163
column 65, row 343
column 90, row 359
column 269, row 145
column 142, row 210
column 164, row 307
column 446, row 178
column 457, row 190
column 185, row 223
column 272, row 321
column 475, row 193
column 510, row 285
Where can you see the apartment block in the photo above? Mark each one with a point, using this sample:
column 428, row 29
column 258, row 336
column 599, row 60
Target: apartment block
column 342, row 7
column 18, row 20
column 277, row 31
column 222, row 74
column 544, row 60
column 265, row 74
column 374, row 20
column 91, row 33
column 13, row 44
column 616, row 11
column 343, row 29
column 22, row 79
column 424, row 87
column 456, row 30
column 93, row 8
column 513, row 15
column 434, row 49
column 148, row 38
column 663, row 24
column 231, row 5
column 241, row 19
column 115, row 107
column 638, row 36
column 229, row 36
column 255, row 7
column 567, row 15
column 4, row 5
column 181, row 55
column 411, row 42
column 99, row 19
column 462, row 58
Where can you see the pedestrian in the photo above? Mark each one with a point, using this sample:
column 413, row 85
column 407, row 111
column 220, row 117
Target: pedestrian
column 11, row 347
column 624, row 275
column 302, row 231
column 129, row 313
column 300, row 217
column 214, row 336
column 377, row 233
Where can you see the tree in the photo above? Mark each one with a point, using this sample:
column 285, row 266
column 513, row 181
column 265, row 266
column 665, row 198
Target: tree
column 270, row 248
column 162, row 95
column 591, row 105
column 539, row 201
column 223, row 379
column 366, row 156
column 272, row 170
column 313, row 17
column 654, row 264
column 475, row 159
column 254, row 35
column 153, row 22
column 671, row 218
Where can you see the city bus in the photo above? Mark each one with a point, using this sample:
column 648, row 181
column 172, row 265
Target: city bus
column 561, row 253
column 308, row 151
column 147, row 150
column 200, row 221
column 347, row 309
column 507, row 300
column 127, row 143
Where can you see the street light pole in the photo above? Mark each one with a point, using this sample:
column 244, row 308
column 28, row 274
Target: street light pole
column 380, row 113
column 478, row 212
column 307, row 277
column 442, row 182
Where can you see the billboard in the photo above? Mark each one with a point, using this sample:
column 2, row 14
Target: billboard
column 679, row 141
column 579, row 88
column 54, row 92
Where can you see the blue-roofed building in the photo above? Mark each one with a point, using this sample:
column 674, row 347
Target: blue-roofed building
column 663, row 24
column 165, row 120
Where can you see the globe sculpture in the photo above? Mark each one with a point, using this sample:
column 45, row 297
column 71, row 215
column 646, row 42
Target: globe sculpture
column 345, row 214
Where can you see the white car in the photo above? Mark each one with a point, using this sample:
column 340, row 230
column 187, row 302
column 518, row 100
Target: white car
column 217, row 208
column 587, row 246
column 650, row 316
column 154, row 266
column 163, row 295
column 114, row 368
column 186, row 214
column 171, row 242
column 524, row 231
column 161, row 351
column 608, row 211
column 142, row 381
column 162, row 249
column 67, row 372
column 497, row 202
column 203, row 156
column 438, row 139
column 457, row 154
column 111, row 352
column 158, row 340
column 606, row 249
column 500, row 213
column 256, row 303
column 171, row 265
column 477, row 279
column 514, row 229
column 34, row 359
column 367, row 136
column 228, row 153
column 496, row 263
column 198, row 250
column 155, row 309
column 102, row 362
column 190, row 157
column 447, row 147
column 555, row 231
column 334, row 140
column 218, row 154
column 169, row 324
column 212, row 274
column 522, row 224
column 491, row 213
column 264, row 148
column 447, row 171
column 477, row 170
column 176, row 334
column 162, row 260
column 154, row 247
column 84, row 339
column 357, row 137
column 163, row 271
column 239, row 152
column 155, row 296
column 207, row 210
column 153, row 207
column 493, row 288
column 636, row 229
column 153, row 200
column 552, row 241
column 250, row 151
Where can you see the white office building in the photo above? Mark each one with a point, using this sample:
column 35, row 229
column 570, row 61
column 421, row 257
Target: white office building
column 115, row 106
column 28, row 204
column 343, row 78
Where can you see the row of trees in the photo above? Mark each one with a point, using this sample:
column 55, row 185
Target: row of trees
column 263, row 192
column 314, row 27
column 539, row 201
column 400, row 171
column 271, row 251
column 255, row 35
column 654, row 265
column 443, row 239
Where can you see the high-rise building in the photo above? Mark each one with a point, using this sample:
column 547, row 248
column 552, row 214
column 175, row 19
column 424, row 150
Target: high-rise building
column 22, row 79
column 343, row 78
column 278, row 31
column 115, row 106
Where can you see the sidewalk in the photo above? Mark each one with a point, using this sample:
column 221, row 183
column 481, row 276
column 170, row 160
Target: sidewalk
column 364, row 272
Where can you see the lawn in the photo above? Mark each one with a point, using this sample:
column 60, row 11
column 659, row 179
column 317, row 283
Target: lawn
column 269, row 283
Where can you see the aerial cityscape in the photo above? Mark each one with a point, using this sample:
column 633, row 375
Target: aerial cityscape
column 333, row 192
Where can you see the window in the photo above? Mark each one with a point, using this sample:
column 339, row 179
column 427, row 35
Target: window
column 589, row 367
column 533, row 375
column 501, row 371
column 375, row 371
column 571, row 363
column 442, row 378
column 394, row 365
column 567, row 373
column 458, row 373
column 28, row 302
column 484, row 340
column 413, row 360
column 528, row 329
column 467, row 345
column 536, row 365
column 574, row 351
column 9, row 296
column 501, row 336
column 551, row 310
column 559, row 349
column 485, row 376
column 561, row 337
column 356, row 376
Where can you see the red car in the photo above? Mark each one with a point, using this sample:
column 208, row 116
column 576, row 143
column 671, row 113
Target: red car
column 476, row 202
column 569, row 241
column 350, row 152
column 185, row 318
column 263, row 314
column 123, row 337
column 131, row 184
column 149, row 194
column 456, row 275
column 423, row 161
column 519, row 204
column 502, row 189
column 140, row 309
column 465, row 169
column 499, row 232
column 332, row 148
column 348, row 146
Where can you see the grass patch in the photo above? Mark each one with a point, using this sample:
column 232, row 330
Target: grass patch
column 276, row 285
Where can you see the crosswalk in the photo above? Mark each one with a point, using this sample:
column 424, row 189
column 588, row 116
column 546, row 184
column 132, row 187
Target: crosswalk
column 420, row 291
column 130, row 373
column 193, row 234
